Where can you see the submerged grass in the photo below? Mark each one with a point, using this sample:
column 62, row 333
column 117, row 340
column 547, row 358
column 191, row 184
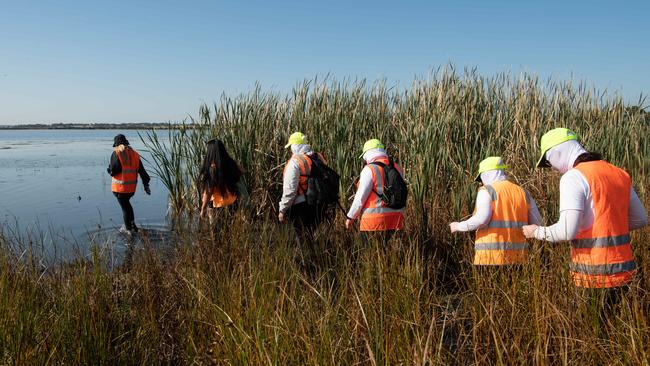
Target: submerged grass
column 241, row 295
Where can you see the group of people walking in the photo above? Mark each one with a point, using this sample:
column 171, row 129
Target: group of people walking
column 598, row 204
column 598, row 209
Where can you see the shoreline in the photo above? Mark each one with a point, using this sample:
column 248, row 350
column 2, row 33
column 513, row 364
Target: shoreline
column 91, row 126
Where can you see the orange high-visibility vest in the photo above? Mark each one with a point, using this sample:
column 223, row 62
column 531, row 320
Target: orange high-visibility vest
column 375, row 215
column 502, row 241
column 304, row 163
column 222, row 200
column 601, row 255
column 127, row 180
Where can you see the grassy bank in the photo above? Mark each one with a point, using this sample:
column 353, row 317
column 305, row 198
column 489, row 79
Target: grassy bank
column 247, row 295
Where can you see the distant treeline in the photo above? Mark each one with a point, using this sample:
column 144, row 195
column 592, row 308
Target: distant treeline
column 90, row 126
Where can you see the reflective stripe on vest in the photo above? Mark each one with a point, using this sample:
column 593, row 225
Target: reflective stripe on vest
column 501, row 246
column 375, row 216
column 502, row 241
column 127, row 180
column 611, row 241
column 123, row 182
column 603, row 269
column 504, row 224
column 601, row 255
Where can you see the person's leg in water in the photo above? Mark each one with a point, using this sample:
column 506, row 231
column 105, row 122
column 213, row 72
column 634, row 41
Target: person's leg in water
column 127, row 210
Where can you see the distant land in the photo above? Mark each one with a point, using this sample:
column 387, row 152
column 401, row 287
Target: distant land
column 90, row 126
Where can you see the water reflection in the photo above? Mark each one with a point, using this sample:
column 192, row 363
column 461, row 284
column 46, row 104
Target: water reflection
column 54, row 183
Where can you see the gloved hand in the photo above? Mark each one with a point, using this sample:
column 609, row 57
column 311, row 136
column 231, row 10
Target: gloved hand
column 147, row 190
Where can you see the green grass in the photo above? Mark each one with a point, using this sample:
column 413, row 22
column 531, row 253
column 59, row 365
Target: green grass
column 239, row 296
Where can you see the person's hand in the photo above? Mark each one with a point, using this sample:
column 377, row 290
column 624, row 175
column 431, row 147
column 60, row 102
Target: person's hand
column 529, row 231
column 281, row 217
column 453, row 227
column 348, row 224
column 147, row 190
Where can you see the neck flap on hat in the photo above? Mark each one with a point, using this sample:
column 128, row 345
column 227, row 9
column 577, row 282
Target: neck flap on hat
column 492, row 176
column 562, row 156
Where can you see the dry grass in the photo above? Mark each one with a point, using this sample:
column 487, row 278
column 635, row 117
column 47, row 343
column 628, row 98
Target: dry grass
column 240, row 297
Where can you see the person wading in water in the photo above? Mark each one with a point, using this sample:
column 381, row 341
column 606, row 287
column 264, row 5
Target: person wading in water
column 124, row 167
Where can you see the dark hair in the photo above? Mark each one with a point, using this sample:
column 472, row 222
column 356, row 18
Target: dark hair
column 588, row 156
column 219, row 170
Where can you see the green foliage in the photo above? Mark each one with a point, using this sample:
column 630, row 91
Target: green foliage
column 246, row 294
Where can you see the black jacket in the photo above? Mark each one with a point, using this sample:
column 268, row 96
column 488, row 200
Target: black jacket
column 115, row 168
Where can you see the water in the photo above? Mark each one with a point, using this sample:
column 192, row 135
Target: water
column 55, row 182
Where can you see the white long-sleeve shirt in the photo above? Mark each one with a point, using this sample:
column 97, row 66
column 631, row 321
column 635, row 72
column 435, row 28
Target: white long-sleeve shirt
column 483, row 213
column 366, row 184
column 576, row 210
column 291, row 179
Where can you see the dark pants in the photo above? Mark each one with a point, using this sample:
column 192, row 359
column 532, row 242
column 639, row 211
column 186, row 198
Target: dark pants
column 127, row 210
column 605, row 301
column 383, row 236
column 304, row 218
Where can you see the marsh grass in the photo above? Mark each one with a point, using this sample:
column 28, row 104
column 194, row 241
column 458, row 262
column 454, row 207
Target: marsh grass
column 243, row 294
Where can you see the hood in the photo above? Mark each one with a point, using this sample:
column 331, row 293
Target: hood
column 374, row 154
column 492, row 176
column 301, row 149
column 562, row 156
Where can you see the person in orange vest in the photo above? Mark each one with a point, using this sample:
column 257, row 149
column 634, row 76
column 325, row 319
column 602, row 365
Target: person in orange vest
column 124, row 167
column 368, row 201
column 502, row 209
column 219, row 177
column 598, row 209
column 293, row 204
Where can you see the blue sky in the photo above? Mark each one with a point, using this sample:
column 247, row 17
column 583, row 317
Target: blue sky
column 151, row 61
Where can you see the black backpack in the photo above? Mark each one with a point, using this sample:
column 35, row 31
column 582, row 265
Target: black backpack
column 322, row 184
column 395, row 189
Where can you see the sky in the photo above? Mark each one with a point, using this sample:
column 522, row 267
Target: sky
column 155, row 61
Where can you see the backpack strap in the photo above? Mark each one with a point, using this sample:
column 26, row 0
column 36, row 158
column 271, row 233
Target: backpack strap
column 383, row 166
column 313, row 157
column 391, row 164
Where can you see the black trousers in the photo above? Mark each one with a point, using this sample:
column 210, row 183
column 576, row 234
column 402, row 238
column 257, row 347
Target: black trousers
column 127, row 210
column 304, row 218
column 383, row 236
column 605, row 301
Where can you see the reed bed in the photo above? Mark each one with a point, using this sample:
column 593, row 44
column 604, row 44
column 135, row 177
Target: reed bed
column 245, row 294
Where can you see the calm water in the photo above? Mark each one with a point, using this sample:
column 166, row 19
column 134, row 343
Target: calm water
column 56, row 181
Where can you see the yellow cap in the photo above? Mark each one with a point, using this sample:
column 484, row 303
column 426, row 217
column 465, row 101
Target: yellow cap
column 553, row 138
column 490, row 163
column 372, row 144
column 296, row 138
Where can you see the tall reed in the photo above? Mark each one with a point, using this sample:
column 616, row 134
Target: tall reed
column 246, row 294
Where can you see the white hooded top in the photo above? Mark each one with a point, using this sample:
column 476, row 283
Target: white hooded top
column 291, row 179
column 365, row 182
column 483, row 212
column 576, row 205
